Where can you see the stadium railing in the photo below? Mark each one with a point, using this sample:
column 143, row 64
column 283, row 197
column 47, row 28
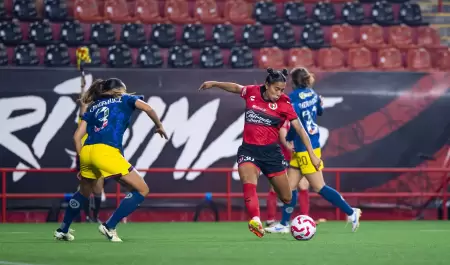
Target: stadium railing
column 228, row 195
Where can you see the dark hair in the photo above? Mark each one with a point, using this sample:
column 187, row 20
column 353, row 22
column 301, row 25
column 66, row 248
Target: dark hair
column 99, row 88
column 276, row 76
column 301, row 77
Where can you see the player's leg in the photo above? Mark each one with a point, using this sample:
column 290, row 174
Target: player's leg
column 303, row 196
column 98, row 191
column 271, row 207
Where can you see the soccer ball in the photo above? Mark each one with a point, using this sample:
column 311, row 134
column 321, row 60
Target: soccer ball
column 303, row 227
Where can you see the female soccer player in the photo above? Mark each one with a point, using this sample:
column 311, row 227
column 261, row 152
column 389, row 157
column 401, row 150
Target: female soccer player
column 105, row 121
column 307, row 105
column 267, row 108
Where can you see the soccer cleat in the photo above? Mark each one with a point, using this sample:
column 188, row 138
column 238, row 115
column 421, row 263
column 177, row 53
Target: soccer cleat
column 110, row 234
column 60, row 235
column 354, row 219
column 278, row 229
column 270, row 223
column 256, row 227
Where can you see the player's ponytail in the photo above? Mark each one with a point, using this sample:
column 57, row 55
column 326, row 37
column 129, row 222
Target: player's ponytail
column 302, row 78
column 93, row 93
column 111, row 87
column 276, row 76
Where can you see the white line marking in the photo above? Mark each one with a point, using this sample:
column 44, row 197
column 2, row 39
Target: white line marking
column 4, row 262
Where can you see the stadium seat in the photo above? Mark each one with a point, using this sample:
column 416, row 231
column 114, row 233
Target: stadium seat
column 301, row 57
column 265, row 12
column 253, row 35
column 3, row 14
column 25, row 10
column 211, row 57
column 313, row 36
column 103, row 34
column 206, row 12
column 353, row 13
column 283, row 35
column 241, row 57
column 10, row 32
column 57, row 55
column 117, row 11
column 164, row 35
column 372, row 36
column 40, row 33
column 428, row 37
column 295, row 13
column 71, row 33
column 87, row 11
column 133, row 34
column 177, row 11
column 343, row 36
column 55, row 10
column 331, row 59
column 442, row 61
column 360, row 58
column 271, row 57
column 150, row 57
column 238, row 12
column 401, row 37
column 383, row 14
column 194, row 35
column 25, row 55
column 147, row 11
column 96, row 57
column 418, row 59
column 3, row 55
column 325, row 13
column 180, row 57
column 223, row 36
column 411, row 15
column 119, row 56
column 390, row 59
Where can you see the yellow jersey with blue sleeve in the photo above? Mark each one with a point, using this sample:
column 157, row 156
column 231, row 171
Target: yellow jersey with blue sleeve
column 102, row 152
column 307, row 105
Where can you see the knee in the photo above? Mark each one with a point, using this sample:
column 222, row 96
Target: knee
column 317, row 188
column 286, row 198
column 144, row 191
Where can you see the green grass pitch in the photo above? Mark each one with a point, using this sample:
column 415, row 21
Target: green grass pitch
column 390, row 243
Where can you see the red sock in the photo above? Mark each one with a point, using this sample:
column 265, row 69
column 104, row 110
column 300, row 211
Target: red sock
column 251, row 200
column 303, row 200
column 271, row 205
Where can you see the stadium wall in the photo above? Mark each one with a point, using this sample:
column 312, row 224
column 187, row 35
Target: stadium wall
column 371, row 119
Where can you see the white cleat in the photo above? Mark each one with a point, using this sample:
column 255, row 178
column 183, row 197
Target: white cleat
column 63, row 236
column 278, row 229
column 354, row 219
column 111, row 234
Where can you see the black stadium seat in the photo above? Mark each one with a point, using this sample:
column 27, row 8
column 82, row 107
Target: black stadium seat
column 25, row 55
column 253, row 35
column 194, row 35
column 25, row 10
column 180, row 57
column 10, row 32
column 295, row 13
column 241, row 57
column 383, row 14
column 55, row 10
column 266, row 13
column 324, row 13
column 133, row 34
column 72, row 33
column 103, row 34
column 164, row 35
column 150, row 57
column 211, row 57
column 313, row 36
column 94, row 52
column 3, row 55
column 119, row 56
column 283, row 35
column 411, row 15
column 224, row 36
column 57, row 55
column 40, row 33
column 353, row 13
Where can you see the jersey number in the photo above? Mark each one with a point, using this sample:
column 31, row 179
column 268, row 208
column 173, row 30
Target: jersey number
column 308, row 117
column 101, row 116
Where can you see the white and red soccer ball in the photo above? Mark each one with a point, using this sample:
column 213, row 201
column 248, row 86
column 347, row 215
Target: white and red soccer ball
column 303, row 227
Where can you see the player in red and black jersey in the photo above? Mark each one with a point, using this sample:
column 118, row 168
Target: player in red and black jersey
column 267, row 109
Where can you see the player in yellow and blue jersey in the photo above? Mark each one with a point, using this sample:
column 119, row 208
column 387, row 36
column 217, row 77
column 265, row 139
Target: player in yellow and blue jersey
column 105, row 121
column 307, row 105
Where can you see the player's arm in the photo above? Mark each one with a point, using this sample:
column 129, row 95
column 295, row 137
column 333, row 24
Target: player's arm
column 78, row 135
column 142, row 105
column 227, row 86
column 320, row 106
column 284, row 141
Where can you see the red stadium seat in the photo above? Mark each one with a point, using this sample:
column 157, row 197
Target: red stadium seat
column 271, row 57
column 442, row 61
column 301, row 57
column 331, row 59
column 360, row 59
column 428, row 37
column 418, row 59
column 206, row 12
column 87, row 11
column 390, row 59
column 372, row 36
column 177, row 11
column 147, row 11
column 401, row 37
column 117, row 11
column 343, row 36
column 239, row 12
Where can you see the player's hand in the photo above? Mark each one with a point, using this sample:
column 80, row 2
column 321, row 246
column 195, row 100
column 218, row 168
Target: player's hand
column 83, row 82
column 207, row 85
column 316, row 161
column 290, row 146
column 321, row 100
column 160, row 130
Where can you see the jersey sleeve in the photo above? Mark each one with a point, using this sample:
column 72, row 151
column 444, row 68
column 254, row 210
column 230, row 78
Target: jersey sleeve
column 130, row 100
column 319, row 106
column 247, row 91
column 289, row 111
column 290, row 136
column 85, row 116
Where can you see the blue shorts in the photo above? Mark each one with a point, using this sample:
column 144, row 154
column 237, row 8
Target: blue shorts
column 267, row 158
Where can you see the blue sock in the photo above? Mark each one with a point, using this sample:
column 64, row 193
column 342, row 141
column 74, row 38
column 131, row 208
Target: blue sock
column 288, row 209
column 336, row 199
column 73, row 210
column 128, row 205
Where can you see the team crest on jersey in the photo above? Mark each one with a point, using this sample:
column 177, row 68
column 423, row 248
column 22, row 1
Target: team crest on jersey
column 273, row 106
